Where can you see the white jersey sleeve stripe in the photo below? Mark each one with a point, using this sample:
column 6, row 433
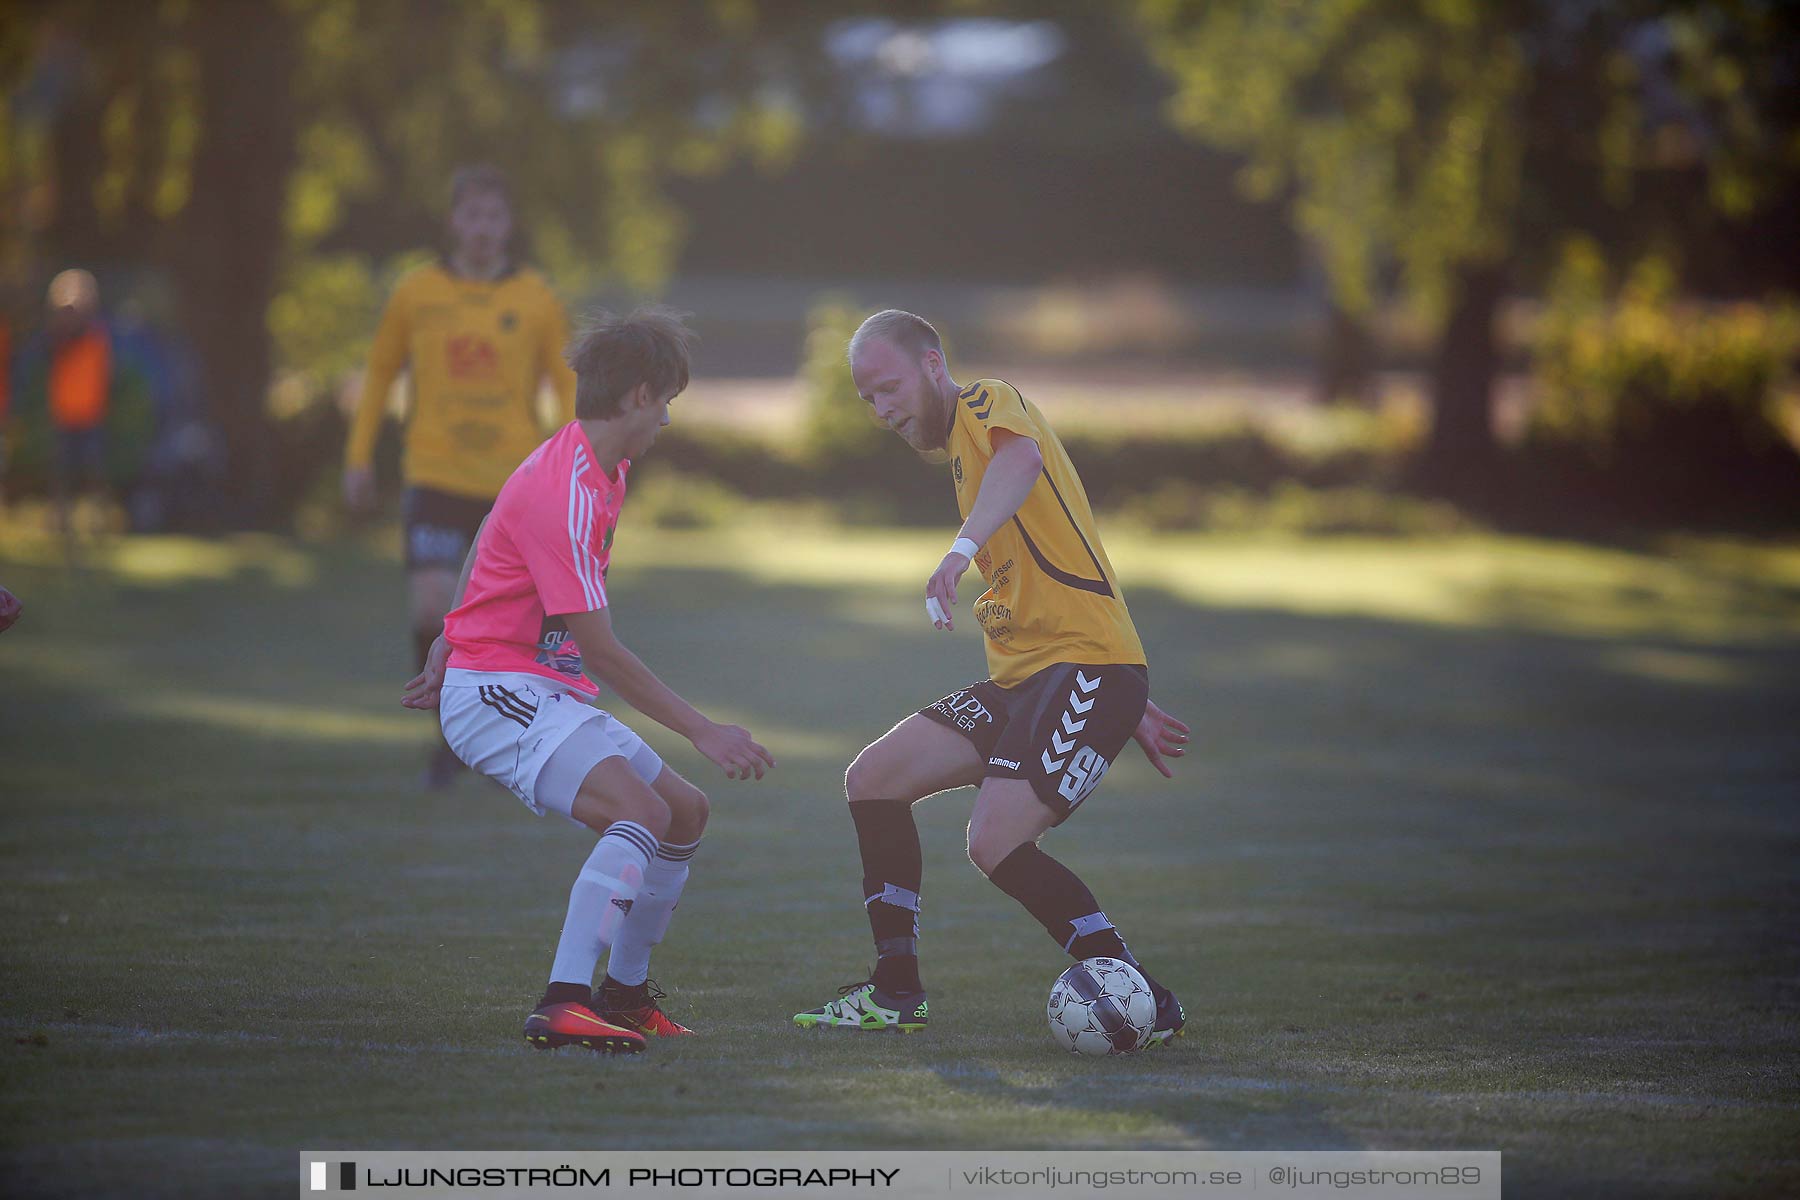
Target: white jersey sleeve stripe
column 591, row 561
column 577, row 494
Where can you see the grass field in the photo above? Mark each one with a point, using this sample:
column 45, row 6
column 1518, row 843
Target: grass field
column 1486, row 844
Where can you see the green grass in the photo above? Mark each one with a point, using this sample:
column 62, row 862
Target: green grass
column 1486, row 843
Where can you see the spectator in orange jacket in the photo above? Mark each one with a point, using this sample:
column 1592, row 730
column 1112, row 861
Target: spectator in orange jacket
column 79, row 389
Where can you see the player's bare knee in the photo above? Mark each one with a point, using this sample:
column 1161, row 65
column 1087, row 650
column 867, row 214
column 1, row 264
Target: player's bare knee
column 984, row 858
column 694, row 819
column 986, row 850
column 651, row 811
column 688, row 810
column 598, row 809
column 863, row 780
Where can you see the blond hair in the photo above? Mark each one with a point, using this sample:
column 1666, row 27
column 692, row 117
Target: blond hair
column 908, row 331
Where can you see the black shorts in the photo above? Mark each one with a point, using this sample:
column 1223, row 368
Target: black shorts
column 1059, row 730
column 440, row 527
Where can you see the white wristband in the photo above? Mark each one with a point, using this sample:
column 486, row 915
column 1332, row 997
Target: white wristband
column 965, row 547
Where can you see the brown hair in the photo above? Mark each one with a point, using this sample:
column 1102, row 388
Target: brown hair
column 479, row 177
column 615, row 354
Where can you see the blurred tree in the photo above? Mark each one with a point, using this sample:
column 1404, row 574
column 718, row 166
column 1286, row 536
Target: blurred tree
column 238, row 146
column 1460, row 141
column 1652, row 408
column 839, row 423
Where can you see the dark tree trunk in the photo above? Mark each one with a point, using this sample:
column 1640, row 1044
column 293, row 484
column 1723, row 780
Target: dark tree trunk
column 115, row 60
column 73, row 237
column 1461, row 454
column 228, row 246
column 1346, row 360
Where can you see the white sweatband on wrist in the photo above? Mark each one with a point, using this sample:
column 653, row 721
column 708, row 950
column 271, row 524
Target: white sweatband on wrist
column 965, row 547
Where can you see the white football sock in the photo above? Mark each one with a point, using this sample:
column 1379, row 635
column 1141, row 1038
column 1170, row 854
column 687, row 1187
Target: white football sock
column 649, row 918
column 601, row 900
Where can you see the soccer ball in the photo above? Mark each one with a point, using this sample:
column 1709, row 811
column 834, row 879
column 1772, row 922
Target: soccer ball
column 1101, row 1006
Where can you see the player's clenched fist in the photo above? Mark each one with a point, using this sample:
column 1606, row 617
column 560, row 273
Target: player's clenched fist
column 941, row 587
column 732, row 747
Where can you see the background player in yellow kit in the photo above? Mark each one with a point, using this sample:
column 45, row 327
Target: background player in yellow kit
column 1069, row 683
column 479, row 333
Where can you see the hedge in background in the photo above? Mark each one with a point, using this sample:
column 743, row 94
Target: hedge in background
column 1650, row 408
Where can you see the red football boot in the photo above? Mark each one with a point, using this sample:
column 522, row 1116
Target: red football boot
column 572, row 1023
column 636, row 1008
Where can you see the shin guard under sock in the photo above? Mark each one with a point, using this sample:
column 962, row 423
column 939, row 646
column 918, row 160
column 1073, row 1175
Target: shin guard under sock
column 892, row 869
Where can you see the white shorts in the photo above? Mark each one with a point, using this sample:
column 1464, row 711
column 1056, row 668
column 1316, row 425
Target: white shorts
column 537, row 740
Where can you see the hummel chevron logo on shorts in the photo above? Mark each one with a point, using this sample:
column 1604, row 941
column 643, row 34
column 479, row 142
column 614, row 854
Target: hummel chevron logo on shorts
column 1080, row 768
column 1070, row 725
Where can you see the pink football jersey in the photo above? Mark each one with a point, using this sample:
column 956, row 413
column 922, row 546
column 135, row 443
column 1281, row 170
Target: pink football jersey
column 543, row 553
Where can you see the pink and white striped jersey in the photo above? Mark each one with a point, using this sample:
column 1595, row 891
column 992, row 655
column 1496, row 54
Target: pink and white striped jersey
column 544, row 553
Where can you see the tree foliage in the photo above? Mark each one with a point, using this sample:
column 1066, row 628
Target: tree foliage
column 839, row 422
column 1458, row 143
column 1436, row 136
column 274, row 157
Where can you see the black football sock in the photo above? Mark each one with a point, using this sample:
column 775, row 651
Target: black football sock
column 892, row 868
column 1065, row 907
column 614, row 994
column 562, row 993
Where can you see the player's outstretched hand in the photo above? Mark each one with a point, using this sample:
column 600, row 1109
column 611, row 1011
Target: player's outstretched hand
column 942, row 588
column 423, row 689
column 10, row 609
column 1159, row 735
column 732, row 747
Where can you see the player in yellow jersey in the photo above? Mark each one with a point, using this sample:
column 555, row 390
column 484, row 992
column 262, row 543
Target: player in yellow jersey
column 1068, row 683
column 479, row 334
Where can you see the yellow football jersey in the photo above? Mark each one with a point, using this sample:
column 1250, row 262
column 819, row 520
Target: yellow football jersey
column 476, row 350
column 1052, row 595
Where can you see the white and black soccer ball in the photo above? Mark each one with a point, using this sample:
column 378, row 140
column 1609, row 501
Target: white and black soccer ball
column 1101, row 1006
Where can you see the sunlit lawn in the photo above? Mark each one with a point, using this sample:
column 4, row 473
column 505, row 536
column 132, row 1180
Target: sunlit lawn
column 1487, row 843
